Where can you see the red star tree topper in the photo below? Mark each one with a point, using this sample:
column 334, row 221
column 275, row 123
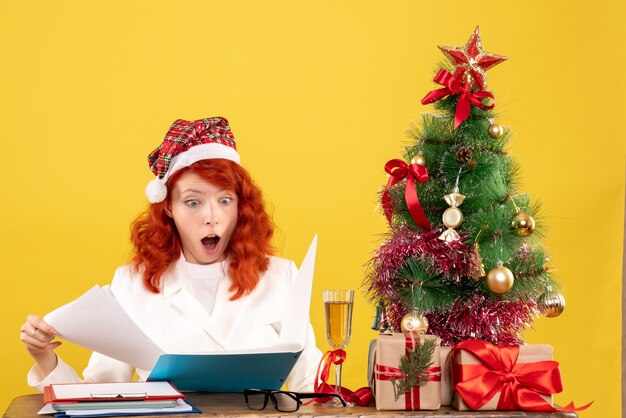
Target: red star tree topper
column 471, row 61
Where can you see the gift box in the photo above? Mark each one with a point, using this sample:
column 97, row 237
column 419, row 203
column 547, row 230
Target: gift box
column 446, row 379
column 489, row 377
column 388, row 382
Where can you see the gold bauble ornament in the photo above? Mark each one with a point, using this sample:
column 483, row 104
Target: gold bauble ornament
column 414, row 322
column 419, row 159
column 500, row 279
column 495, row 130
column 523, row 224
column 551, row 303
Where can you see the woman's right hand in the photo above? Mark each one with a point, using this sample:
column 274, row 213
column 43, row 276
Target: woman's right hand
column 37, row 335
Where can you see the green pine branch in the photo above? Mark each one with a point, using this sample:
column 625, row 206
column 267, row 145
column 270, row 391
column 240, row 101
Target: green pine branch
column 425, row 288
column 413, row 367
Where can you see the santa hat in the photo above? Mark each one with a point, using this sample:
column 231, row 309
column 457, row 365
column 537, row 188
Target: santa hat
column 185, row 143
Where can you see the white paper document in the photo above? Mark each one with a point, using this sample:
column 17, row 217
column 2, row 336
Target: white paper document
column 294, row 327
column 97, row 321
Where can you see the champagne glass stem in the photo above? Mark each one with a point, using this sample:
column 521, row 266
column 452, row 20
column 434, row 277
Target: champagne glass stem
column 338, row 378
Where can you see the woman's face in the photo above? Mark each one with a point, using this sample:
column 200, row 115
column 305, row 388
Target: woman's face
column 205, row 217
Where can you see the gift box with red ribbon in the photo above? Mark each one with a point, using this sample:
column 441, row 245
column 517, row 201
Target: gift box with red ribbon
column 505, row 377
column 386, row 376
column 446, row 379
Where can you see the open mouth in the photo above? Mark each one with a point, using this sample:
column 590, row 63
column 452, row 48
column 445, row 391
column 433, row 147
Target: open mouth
column 210, row 242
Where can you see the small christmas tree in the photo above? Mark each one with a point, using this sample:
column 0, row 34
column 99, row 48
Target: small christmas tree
column 463, row 257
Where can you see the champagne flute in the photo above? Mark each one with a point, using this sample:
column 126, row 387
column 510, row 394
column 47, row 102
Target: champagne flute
column 338, row 306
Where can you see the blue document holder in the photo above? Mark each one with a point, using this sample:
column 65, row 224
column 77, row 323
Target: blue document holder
column 95, row 413
column 224, row 372
column 236, row 371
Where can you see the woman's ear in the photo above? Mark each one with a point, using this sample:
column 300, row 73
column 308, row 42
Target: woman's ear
column 168, row 209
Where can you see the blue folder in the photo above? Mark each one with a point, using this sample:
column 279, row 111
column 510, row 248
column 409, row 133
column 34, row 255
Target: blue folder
column 224, row 372
column 95, row 413
column 235, row 371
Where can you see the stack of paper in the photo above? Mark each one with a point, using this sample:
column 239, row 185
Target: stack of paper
column 106, row 399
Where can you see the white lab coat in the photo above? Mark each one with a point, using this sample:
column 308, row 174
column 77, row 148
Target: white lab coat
column 178, row 323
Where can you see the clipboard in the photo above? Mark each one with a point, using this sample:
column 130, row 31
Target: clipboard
column 61, row 393
column 235, row 371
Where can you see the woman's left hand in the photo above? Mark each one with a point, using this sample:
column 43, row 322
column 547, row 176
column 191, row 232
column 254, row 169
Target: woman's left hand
column 38, row 337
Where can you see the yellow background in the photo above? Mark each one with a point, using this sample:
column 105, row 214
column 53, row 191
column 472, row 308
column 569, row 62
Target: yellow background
column 318, row 95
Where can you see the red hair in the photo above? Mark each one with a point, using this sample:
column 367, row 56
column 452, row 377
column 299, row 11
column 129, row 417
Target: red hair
column 157, row 243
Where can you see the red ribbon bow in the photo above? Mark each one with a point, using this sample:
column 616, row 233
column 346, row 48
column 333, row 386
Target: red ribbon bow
column 398, row 170
column 452, row 85
column 360, row 397
column 520, row 385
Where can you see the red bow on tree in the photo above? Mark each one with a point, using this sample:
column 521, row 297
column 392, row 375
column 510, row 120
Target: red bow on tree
column 520, row 385
column 452, row 85
column 398, row 170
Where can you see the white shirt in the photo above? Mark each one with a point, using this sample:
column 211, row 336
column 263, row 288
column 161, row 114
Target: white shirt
column 204, row 280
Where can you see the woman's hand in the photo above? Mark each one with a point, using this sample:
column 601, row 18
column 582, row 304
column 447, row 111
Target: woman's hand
column 37, row 335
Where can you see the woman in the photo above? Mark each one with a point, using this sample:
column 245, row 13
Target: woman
column 202, row 277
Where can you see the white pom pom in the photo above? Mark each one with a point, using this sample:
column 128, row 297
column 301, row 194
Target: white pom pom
column 156, row 191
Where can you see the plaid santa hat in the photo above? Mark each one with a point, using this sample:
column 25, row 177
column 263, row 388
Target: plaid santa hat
column 185, row 143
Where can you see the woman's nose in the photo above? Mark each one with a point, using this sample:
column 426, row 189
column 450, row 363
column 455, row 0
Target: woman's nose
column 210, row 215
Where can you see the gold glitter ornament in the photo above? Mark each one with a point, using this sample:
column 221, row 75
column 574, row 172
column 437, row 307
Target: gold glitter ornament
column 551, row 303
column 478, row 272
column 495, row 130
column 471, row 61
column 500, row 279
column 523, row 223
column 414, row 322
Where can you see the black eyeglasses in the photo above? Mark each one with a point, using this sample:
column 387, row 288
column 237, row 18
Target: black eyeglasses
column 283, row 401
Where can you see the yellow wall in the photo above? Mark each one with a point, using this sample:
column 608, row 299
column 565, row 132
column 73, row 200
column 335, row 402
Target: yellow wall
column 318, row 95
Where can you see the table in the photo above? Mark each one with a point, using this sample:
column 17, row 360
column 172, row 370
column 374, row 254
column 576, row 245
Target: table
column 233, row 405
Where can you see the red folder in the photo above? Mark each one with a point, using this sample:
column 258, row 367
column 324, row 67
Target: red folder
column 110, row 392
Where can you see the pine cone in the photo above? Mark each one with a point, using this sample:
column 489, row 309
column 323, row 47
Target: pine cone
column 464, row 155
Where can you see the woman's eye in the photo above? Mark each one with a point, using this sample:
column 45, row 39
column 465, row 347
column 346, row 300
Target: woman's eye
column 192, row 203
column 225, row 200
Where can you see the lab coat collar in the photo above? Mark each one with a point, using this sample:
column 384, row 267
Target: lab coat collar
column 176, row 290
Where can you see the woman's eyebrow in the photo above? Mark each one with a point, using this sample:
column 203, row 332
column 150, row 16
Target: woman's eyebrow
column 220, row 191
column 190, row 191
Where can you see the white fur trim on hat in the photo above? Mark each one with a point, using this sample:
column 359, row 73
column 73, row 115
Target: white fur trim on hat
column 201, row 152
column 156, row 190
